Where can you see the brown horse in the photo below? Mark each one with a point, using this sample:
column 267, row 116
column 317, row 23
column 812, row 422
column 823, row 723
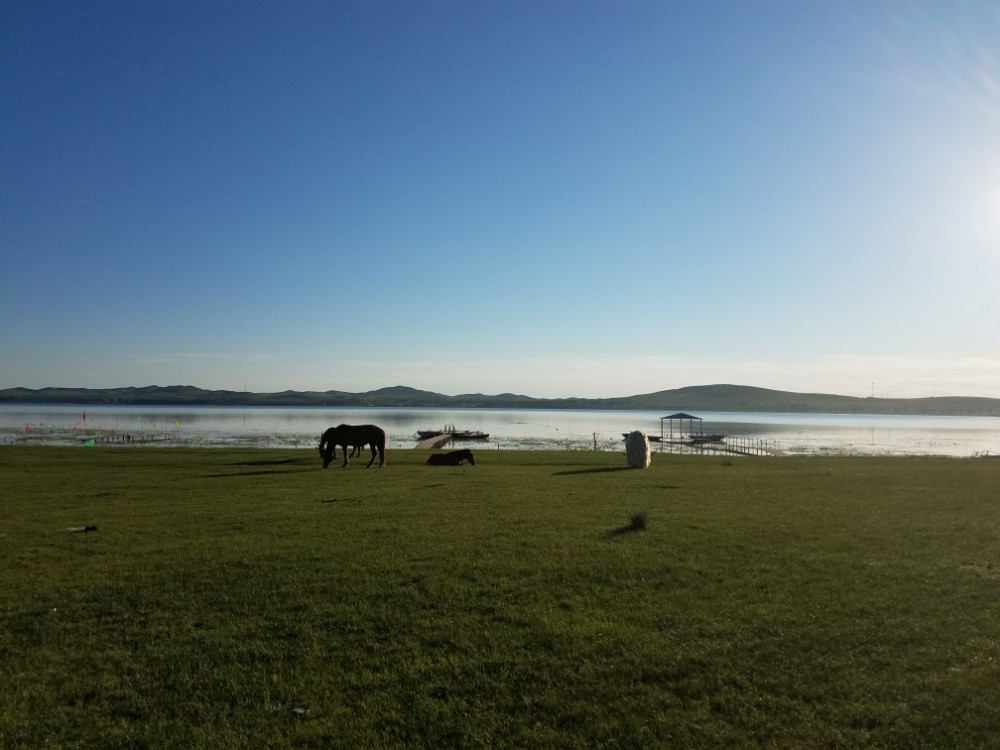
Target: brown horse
column 355, row 435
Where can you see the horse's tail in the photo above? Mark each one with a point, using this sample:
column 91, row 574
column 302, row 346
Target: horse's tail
column 381, row 447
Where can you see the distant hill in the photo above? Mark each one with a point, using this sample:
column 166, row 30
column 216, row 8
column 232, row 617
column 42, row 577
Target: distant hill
column 721, row 398
column 749, row 398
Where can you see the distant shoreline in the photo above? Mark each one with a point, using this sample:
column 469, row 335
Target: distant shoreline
column 715, row 398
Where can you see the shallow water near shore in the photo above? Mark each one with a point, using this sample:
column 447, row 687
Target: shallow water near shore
column 508, row 429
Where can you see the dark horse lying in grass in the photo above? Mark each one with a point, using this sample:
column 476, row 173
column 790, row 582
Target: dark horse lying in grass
column 452, row 458
column 356, row 435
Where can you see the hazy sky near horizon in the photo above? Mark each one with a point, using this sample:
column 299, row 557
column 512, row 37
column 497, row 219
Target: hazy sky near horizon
column 548, row 198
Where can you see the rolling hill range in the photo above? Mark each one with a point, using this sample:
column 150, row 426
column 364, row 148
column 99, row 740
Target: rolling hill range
column 722, row 398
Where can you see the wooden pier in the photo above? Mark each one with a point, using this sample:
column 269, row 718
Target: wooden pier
column 435, row 441
column 675, row 439
column 739, row 446
column 428, row 441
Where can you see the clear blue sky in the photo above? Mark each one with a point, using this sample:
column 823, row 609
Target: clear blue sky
column 548, row 198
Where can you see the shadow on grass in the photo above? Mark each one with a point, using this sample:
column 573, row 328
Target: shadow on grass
column 620, row 531
column 598, row 470
column 637, row 522
column 271, row 462
column 258, row 473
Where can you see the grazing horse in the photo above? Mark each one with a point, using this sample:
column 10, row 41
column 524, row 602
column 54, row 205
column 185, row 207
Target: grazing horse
column 355, row 451
column 357, row 435
column 451, row 458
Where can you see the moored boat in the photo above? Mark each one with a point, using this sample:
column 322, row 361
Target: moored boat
column 698, row 439
column 470, row 435
column 455, row 433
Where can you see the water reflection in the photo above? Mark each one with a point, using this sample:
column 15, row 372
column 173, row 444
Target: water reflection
column 508, row 429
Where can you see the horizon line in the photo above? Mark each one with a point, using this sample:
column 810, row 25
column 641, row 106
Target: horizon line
column 494, row 395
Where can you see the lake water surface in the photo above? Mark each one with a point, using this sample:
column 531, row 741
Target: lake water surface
column 281, row 427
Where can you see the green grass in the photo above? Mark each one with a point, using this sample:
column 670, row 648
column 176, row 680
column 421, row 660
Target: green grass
column 247, row 598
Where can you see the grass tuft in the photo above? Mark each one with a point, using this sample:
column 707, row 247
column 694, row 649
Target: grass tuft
column 637, row 521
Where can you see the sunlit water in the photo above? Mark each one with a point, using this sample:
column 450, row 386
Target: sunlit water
column 279, row 427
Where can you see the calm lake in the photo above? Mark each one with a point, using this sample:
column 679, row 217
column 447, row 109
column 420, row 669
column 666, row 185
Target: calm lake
column 280, row 427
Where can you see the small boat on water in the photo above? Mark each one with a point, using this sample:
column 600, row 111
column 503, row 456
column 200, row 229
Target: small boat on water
column 470, row 435
column 650, row 438
column 699, row 439
column 455, row 434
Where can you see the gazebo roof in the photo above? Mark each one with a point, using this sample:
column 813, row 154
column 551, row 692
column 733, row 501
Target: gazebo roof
column 681, row 415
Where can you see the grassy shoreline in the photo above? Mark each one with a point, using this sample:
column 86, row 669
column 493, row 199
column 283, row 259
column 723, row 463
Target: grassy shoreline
column 247, row 598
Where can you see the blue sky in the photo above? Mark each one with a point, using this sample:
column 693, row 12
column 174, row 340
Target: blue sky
column 548, row 198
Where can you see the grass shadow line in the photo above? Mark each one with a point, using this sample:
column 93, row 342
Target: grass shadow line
column 620, row 531
column 599, row 470
column 270, row 462
column 256, row 473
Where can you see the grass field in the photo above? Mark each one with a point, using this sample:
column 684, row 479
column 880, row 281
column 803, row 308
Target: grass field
column 247, row 598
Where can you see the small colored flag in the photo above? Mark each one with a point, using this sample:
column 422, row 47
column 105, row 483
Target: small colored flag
column 177, row 424
column 84, row 415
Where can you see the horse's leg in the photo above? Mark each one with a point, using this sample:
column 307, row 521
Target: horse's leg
column 344, row 446
column 372, row 445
